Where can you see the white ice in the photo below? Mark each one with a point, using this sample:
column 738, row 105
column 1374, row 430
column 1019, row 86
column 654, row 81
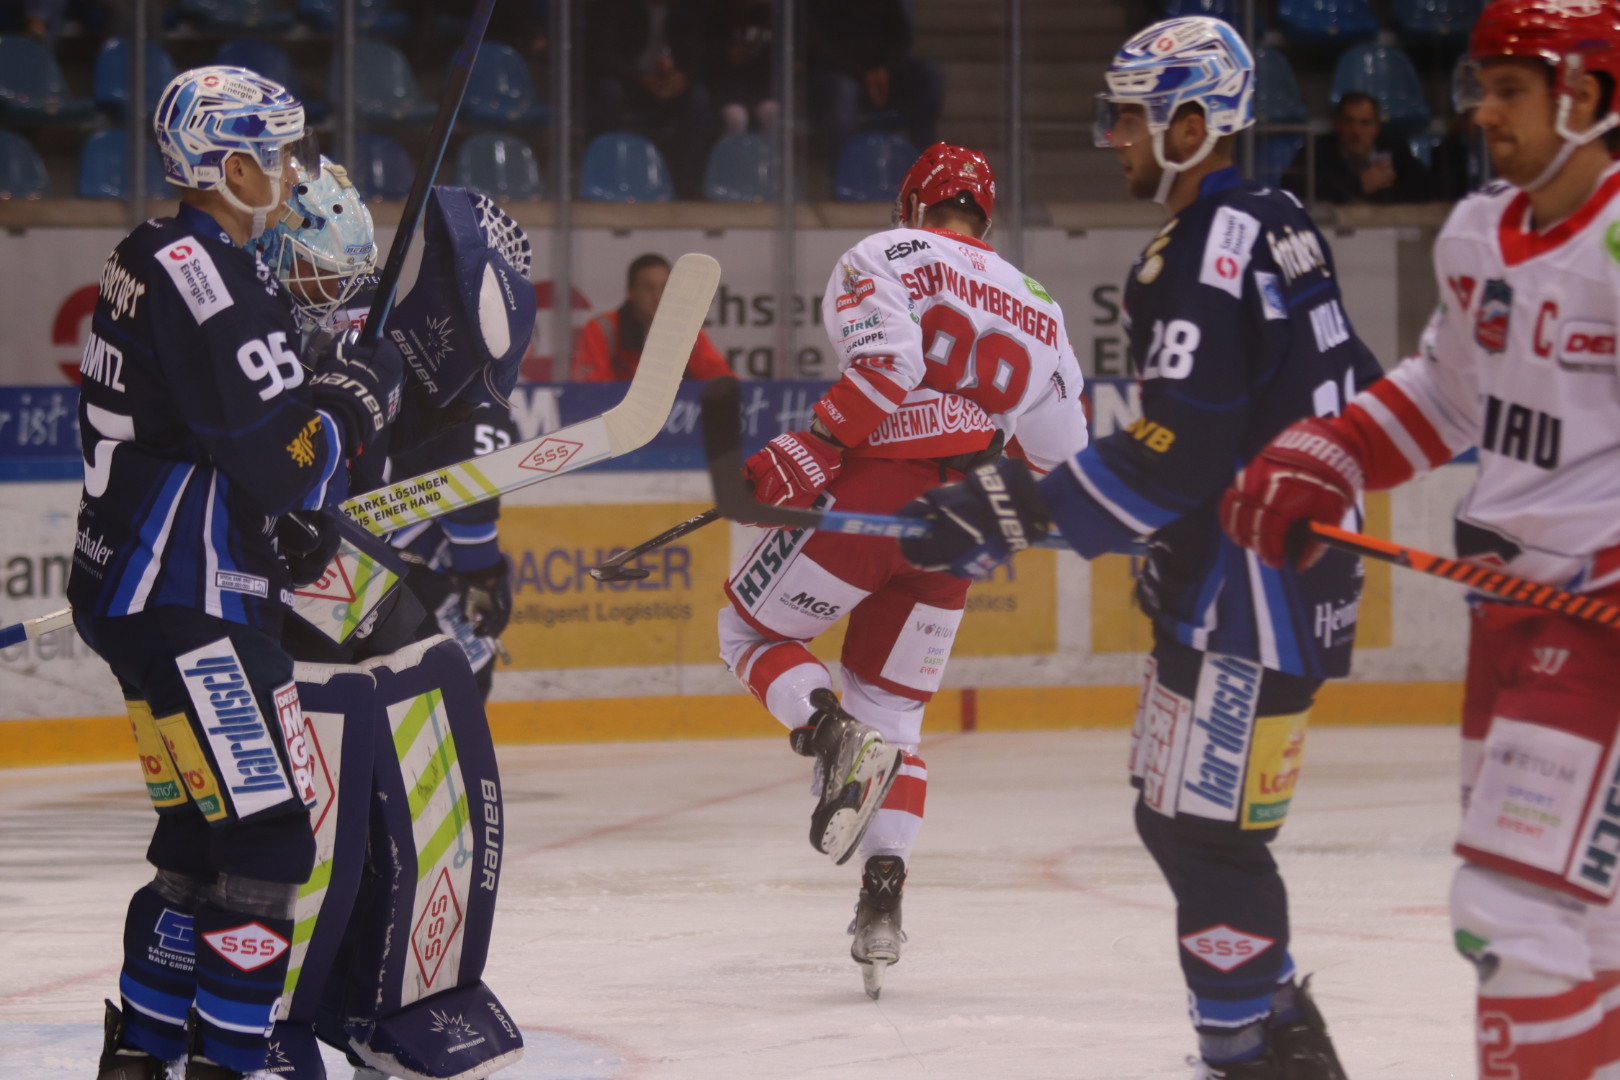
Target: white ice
column 663, row 916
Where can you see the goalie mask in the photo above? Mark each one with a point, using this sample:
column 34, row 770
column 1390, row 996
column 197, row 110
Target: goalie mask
column 466, row 323
column 322, row 247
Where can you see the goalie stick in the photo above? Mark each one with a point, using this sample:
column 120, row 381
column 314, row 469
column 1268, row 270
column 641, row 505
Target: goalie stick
column 722, row 444
column 354, row 583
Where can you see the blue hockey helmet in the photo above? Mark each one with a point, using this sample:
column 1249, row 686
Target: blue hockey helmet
column 207, row 114
column 322, row 247
column 1192, row 59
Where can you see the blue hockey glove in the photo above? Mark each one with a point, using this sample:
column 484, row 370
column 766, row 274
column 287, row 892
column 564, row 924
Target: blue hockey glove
column 979, row 523
column 360, row 385
column 308, row 541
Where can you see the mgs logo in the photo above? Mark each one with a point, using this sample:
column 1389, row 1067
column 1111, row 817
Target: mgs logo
column 811, row 606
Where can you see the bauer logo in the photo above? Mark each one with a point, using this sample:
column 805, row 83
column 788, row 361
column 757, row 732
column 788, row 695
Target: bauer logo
column 551, row 455
column 248, row 947
column 1224, row 948
column 241, row 741
column 197, row 279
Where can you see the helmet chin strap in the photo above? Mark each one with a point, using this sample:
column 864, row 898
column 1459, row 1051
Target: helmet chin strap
column 1173, row 169
column 1572, row 142
column 260, row 213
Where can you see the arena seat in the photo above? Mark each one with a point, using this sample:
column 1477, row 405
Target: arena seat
column 270, row 60
column 1435, row 20
column 104, row 171
column 384, row 87
column 370, row 16
column 1386, row 73
column 238, row 16
column 741, row 168
column 1272, row 156
column 871, row 166
column 22, row 173
column 32, row 87
column 109, row 81
column 499, row 165
column 1326, row 20
column 1277, row 99
column 621, row 167
column 500, row 91
column 1229, row 10
column 383, row 169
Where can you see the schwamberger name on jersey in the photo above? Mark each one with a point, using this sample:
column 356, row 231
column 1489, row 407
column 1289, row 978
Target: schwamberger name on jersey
column 244, row 750
column 931, row 278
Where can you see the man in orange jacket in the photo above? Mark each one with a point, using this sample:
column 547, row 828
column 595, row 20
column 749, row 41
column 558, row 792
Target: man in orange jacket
column 609, row 347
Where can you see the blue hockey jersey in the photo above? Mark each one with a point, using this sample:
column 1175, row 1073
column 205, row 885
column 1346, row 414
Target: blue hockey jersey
column 1236, row 330
column 197, row 429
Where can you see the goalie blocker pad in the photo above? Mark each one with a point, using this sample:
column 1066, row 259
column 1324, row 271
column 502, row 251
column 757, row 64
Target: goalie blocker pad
column 466, row 323
column 407, row 788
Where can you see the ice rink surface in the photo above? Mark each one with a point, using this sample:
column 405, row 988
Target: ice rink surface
column 663, row 916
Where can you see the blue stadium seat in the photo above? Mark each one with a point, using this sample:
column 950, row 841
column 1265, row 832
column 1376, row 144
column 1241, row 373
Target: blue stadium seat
column 741, row 169
column 499, row 165
column 1435, row 20
column 1273, row 155
column 871, row 166
column 1326, row 20
column 271, row 61
column 500, row 91
column 384, row 87
column 238, row 16
column 104, row 167
column 109, row 84
column 621, row 167
column 32, row 89
column 1230, row 10
column 1277, row 99
column 1387, row 74
column 22, row 173
column 371, row 16
column 384, row 170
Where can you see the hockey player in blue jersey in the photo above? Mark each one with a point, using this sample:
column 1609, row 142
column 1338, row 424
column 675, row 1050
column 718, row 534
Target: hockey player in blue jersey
column 1236, row 330
column 200, row 428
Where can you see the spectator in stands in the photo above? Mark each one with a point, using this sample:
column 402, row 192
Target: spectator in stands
column 862, row 73
column 1359, row 162
column 646, row 71
column 609, row 347
column 743, row 70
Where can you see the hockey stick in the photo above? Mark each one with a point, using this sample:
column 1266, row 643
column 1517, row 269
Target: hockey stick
column 722, row 442
column 455, row 87
column 29, row 629
column 614, row 568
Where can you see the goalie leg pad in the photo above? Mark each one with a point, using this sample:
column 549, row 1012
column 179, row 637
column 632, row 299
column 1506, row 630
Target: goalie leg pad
column 460, row 1034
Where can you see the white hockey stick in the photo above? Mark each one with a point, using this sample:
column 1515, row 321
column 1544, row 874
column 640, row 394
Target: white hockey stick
column 354, row 583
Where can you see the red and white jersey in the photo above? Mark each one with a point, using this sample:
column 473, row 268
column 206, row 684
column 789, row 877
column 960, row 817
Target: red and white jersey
column 941, row 341
column 1519, row 360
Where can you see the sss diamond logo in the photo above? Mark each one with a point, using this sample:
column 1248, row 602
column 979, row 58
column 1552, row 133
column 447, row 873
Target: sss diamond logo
column 1224, row 948
column 248, row 947
column 551, row 455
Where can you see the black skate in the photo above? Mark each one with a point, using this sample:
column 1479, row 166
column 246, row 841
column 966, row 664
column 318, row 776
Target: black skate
column 200, row 1068
column 857, row 769
column 876, row 926
column 124, row 1062
column 1303, row 1048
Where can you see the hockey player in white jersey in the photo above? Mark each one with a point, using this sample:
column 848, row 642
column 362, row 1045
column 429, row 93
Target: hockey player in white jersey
column 948, row 353
column 1519, row 361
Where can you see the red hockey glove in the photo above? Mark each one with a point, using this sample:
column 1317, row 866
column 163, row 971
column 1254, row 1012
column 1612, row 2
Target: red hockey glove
column 792, row 468
column 1310, row 472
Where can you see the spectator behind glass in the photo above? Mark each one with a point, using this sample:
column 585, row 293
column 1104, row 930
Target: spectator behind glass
column 861, row 68
column 646, row 65
column 1359, row 162
column 609, row 347
column 742, row 70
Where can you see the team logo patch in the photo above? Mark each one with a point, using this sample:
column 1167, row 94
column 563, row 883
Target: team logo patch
column 1495, row 309
column 1271, row 295
column 856, row 289
column 551, row 455
column 248, row 947
column 1224, row 948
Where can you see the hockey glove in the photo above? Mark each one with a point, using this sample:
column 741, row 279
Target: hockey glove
column 359, row 384
column 308, row 541
column 793, row 468
column 979, row 523
column 486, row 597
column 1310, row 472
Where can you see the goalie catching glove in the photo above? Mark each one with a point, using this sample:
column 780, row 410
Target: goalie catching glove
column 359, row 384
column 979, row 523
column 1312, row 471
column 793, row 468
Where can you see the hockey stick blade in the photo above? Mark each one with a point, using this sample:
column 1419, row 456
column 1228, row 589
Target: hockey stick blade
column 1482, row 578
column 29, row 629
column 615, row 570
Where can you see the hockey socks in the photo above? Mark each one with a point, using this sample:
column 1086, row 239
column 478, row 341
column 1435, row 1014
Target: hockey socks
column 158, row 978
column 242, row 957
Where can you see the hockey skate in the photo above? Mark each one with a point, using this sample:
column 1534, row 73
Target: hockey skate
column 124, row 1062
column 876, row 925
column 1302, row 1048
column 201, row 1068
column 856, row 769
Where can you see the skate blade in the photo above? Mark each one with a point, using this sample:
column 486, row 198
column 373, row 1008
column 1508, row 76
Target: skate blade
column 872, row 977
column 848, row 827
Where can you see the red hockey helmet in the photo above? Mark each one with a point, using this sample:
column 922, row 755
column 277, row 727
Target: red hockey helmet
column 941, row 174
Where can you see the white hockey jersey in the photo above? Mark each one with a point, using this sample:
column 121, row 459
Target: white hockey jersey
column 1519, row 360
column 941, row 341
